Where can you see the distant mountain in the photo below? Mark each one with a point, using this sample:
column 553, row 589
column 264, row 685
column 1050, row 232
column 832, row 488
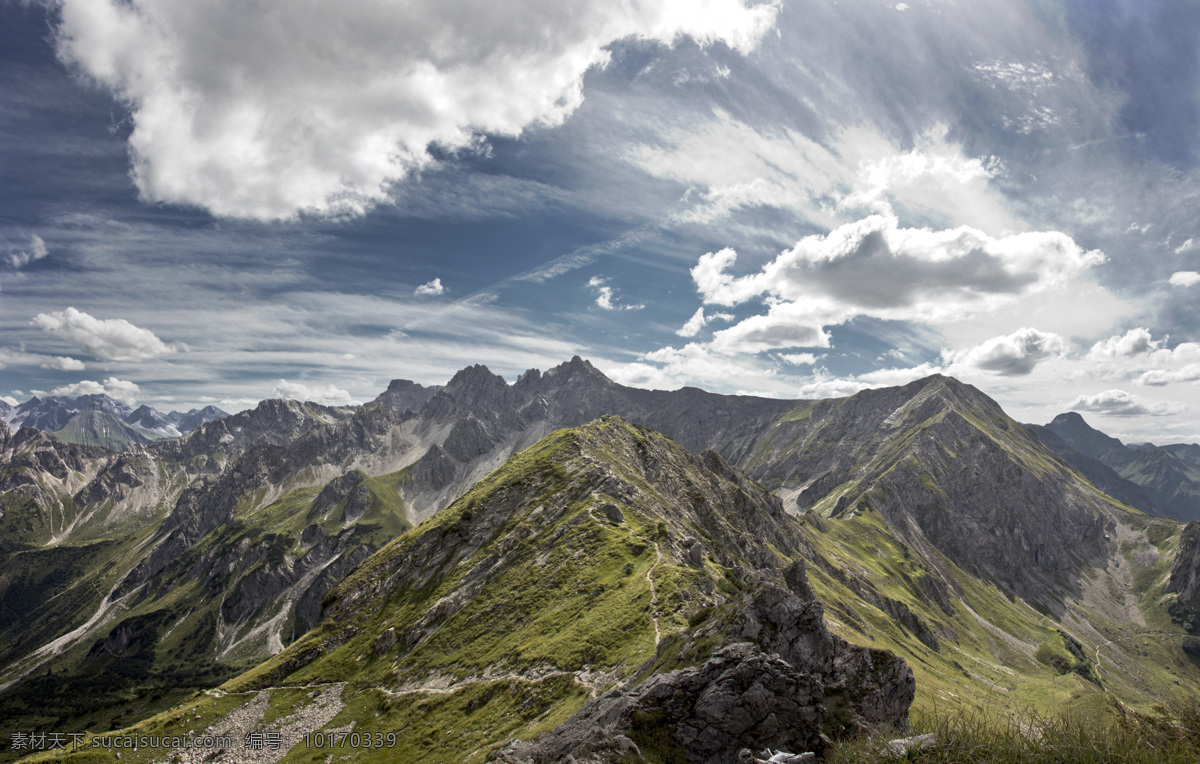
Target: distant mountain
column 186, row 422
column 96, row 427
column 1164, row 481
column 150, row 420
column 1100, row 474
column 45, row 414
column 1081, row 436
column 1189, row 452
column 104, row 421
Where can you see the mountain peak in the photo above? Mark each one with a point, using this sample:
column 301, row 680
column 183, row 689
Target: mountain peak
column 1079, row 435
column 1070, row 419
column 406, row 395
column 576, row 367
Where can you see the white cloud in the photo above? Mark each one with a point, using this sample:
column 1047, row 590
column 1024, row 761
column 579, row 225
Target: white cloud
column 797, row 359
column 893, row 377
column 699, row 320
column 329, row 395
column 62, row 363
column 112, row 339
column 1121, row 403
column 730, row 165
column 875, row 268
column 119, row 389
column 274, row 108
column 1184, row 247
column 606, row 295
column 1161, row 377
column 11, row 401
column 10, row 357
column 37, row 250
column 694, row 324
column 432, row 288
column 1185, row 278
column 933, row 178
column 1009, row 355
column 1133, row 343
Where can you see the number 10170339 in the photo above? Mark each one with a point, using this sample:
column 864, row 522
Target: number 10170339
column 350, row 740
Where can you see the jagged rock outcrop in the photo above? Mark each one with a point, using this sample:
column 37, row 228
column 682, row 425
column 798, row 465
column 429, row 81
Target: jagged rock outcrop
column 350, row 488
column 1184, row 581
column 406, row 395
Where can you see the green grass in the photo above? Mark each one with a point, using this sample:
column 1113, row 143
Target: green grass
column 1090, row 729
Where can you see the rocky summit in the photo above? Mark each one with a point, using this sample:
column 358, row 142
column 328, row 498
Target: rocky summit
column 564, row 566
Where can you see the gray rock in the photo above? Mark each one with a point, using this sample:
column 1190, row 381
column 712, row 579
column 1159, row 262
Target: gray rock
column 901, row 747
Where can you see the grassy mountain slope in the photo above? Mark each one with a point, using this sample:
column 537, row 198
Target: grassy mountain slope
column 600, row 562
column 948, row 533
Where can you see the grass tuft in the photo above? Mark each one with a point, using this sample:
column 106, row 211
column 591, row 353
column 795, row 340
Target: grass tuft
column 1092, row 732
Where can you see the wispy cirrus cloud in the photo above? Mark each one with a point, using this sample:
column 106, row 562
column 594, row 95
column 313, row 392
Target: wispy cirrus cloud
column 17, row 357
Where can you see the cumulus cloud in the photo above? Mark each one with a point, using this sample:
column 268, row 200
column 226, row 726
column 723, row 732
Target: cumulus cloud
column 606, row 295
column 111, row 339
column 328, row 395
column 62, row 363
column 699, row 320
column 1161, row 377
column 1121, row 403
column 37, row 250
column 1009, row 355
column 273, row 108
column 11, row 401
column 1134, row 342
column 432, row 288
column 873, row 267
column 932, row 177
column 119, row 389
column 1185, row 278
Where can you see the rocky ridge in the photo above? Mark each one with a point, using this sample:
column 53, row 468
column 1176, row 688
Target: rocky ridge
column 668, row 579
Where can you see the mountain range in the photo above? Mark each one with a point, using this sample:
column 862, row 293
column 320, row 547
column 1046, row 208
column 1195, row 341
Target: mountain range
column 564, row 565
column 1160, row 480
column 103, row 421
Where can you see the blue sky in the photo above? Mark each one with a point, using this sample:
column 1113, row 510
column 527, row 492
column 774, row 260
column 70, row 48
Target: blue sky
column 215, row 203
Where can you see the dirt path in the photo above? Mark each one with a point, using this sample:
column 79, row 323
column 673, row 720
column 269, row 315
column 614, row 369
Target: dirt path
column 654, row 594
